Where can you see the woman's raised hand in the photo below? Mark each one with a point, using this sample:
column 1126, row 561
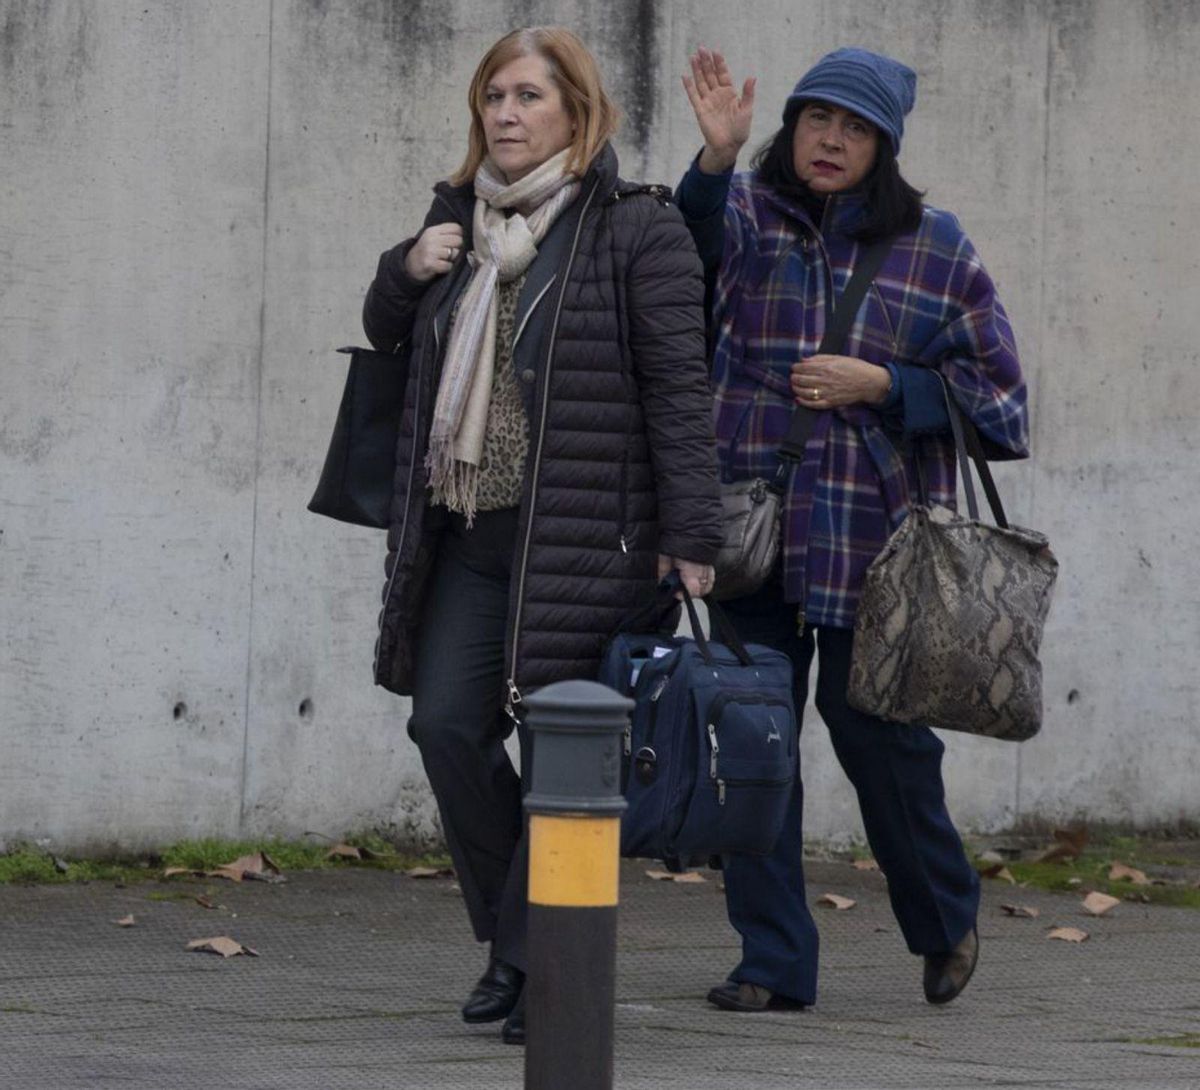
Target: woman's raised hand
column 724, row 116
column 434, row 251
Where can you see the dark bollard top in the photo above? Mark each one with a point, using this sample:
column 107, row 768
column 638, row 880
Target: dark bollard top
column 577, row 699
column 575, row 728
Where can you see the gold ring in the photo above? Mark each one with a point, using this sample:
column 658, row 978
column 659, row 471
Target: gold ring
column 816, row 395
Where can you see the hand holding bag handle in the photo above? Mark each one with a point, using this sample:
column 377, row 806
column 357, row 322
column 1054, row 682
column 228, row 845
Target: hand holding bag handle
column 720, row 624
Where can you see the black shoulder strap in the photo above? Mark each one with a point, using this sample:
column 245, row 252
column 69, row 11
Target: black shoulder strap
column 836, row 331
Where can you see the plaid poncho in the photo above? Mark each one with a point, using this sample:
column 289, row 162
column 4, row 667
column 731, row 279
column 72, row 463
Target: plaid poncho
column 933, row 305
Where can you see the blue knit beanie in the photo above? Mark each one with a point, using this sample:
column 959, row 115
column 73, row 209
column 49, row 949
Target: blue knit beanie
column 873, row 86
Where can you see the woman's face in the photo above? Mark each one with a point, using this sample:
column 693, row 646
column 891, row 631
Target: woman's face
column 525, row 121
column 832, row 149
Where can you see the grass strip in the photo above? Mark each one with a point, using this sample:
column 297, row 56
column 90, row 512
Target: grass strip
column 29, row 865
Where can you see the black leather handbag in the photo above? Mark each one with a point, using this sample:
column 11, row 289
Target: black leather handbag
column 356, row 481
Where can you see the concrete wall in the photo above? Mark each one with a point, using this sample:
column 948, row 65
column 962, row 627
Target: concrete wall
column 194, row 196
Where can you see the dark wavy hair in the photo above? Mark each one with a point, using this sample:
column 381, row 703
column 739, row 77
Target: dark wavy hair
column 893, row 207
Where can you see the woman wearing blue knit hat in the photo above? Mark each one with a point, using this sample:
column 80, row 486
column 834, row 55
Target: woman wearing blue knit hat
column 779, row 244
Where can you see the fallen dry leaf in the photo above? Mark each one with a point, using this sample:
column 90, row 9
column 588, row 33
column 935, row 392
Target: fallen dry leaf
column 998, row 870
column 1024, row 912
column 1097, row 904
column 257, row 865
column 429, row 872
column 865, row 864
column 223, row 945
column 203, row 901
column 1074, row 881
column 837, row 901
column 1119, row 872
column 1068, row 845
column 1067, row 934
column 686, row 878
column 170, row 872
column 343, row 851
column 126, row 921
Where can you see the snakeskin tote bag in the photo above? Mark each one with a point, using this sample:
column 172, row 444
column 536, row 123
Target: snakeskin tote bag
column 950, row 620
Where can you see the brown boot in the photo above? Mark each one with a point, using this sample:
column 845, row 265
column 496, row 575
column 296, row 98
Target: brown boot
column 750, row 998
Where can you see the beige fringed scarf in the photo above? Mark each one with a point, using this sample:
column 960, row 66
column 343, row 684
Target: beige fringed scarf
column 505, row 246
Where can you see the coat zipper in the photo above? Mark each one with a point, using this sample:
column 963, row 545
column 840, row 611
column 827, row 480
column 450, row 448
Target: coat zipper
column 514, row 694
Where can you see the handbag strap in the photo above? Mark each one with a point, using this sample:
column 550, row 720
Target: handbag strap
column 969, row 449
column 836, row 331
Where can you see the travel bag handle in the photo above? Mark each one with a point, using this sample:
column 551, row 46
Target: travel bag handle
column 720, row 625
column 663, row 602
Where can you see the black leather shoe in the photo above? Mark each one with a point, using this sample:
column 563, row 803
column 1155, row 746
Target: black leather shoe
column 496, row 993
column 947, row 974
column 750, row 998
column 513, row 1030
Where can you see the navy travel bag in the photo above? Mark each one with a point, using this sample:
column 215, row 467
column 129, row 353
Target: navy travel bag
column 710, row 754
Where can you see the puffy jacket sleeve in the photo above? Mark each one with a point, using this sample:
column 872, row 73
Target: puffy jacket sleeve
column 976, row 354
column 391, row 304
column 665, row 293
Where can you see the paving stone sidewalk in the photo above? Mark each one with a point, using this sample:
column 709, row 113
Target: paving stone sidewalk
column 361, row 973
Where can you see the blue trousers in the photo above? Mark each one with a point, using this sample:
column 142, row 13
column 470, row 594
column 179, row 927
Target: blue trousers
column 896, row 771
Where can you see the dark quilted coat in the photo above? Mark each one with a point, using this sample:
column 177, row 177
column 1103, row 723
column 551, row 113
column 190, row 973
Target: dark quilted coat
column 621, row 462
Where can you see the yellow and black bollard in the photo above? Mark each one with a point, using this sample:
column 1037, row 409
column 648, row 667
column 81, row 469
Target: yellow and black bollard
column 574, row 806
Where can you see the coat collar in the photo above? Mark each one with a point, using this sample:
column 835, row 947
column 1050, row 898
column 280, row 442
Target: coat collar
column 842, row 210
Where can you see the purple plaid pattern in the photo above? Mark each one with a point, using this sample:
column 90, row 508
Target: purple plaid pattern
column 932, row 304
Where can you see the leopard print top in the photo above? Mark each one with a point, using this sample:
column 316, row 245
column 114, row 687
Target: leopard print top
column 506, row 439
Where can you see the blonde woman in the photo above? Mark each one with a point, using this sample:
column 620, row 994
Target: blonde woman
column 556, row 452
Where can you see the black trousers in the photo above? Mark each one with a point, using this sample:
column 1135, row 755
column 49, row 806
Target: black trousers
column 459, row 725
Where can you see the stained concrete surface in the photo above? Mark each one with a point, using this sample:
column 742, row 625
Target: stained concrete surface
column 361, row 974
column 194, row 196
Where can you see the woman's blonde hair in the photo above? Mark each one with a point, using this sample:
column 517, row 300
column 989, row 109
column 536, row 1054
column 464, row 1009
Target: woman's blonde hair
column 575, row 74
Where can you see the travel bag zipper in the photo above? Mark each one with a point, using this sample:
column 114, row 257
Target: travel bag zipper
column 718, row 706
